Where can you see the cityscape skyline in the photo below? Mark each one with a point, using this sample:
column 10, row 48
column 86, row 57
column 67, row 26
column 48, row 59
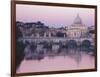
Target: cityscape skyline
column 50, row 38
column 54, row 18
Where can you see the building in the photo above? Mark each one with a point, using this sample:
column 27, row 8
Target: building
column 77, row 29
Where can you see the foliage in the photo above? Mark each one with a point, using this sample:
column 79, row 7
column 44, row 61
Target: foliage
column 19, row 48
column 18, row 33
column 19, row 53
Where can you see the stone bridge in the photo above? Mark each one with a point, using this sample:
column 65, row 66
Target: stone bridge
column 56, row 39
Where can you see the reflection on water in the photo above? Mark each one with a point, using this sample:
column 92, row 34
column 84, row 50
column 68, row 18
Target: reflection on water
column 56, row 58
column 57, row 63
column 39, row 52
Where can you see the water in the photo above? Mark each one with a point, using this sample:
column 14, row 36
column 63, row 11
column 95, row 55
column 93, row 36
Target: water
column 71, row 61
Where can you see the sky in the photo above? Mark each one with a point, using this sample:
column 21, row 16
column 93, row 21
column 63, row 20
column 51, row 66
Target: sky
column 54, row 16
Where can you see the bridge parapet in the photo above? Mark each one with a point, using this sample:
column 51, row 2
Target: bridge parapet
column 55, row 39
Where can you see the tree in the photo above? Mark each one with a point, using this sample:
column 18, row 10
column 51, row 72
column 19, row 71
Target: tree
column 19, row 47
column 19, row 53
column 18, row 33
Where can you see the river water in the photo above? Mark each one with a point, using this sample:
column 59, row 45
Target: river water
column 71, row 61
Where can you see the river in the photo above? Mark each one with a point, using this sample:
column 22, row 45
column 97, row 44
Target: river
column 57, row 63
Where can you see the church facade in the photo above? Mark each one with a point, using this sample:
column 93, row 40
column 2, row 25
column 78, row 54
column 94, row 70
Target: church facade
column 77, row 29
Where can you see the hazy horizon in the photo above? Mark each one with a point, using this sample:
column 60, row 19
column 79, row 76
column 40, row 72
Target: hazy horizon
column 54, row 16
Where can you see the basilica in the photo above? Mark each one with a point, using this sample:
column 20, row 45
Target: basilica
column 77, row 29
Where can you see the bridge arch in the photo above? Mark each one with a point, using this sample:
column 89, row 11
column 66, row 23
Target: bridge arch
column 86, row 43
column 72, row 44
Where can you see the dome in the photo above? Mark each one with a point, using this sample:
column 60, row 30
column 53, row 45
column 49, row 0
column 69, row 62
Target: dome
column 78, row 20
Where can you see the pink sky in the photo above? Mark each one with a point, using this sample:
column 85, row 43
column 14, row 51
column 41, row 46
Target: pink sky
column 54, row 16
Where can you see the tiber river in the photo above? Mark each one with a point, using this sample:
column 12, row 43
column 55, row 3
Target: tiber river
column 70, row 61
